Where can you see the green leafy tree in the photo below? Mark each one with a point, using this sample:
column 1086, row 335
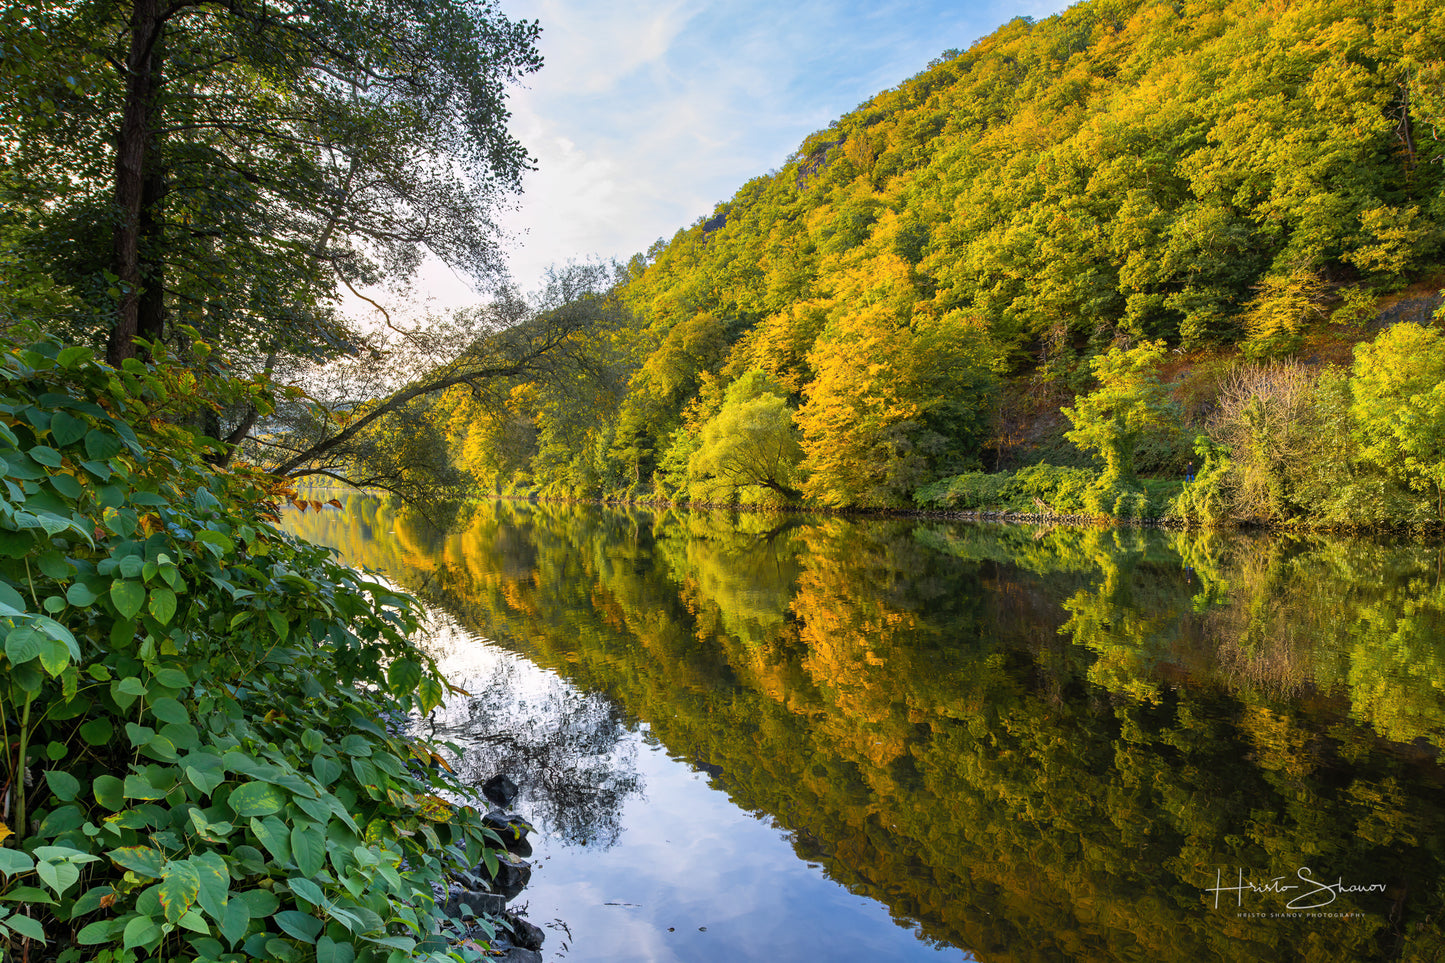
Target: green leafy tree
column 236, row 167
column 1398, row 403
column 1129, row 401
column 751, row 444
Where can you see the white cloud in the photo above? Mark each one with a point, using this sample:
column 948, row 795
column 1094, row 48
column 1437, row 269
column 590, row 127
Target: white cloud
column 649, row 113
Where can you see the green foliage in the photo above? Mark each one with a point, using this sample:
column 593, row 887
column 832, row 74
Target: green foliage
column 1398, row 392
column 1129, row 402
column 275, row 158
column 1285, row 305
column 1207, row 500
column 1357, row 307
column 1052, row 489
column 194, row 704
column 916, row 411
column 968, row 491
column 749, row 449
column 1118, row 173
column 1062, row 489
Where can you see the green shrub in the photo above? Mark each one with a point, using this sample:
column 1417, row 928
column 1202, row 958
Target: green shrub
column 192, row 701
column 971, row 490
column 1062, row 489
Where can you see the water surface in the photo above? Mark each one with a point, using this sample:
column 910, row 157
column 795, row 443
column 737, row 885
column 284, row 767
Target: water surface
column 792, row 738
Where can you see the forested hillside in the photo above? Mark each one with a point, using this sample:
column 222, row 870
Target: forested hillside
column 1202, row 181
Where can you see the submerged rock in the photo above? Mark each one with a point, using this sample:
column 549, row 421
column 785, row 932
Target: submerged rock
column 524, row 934
column 518, row 954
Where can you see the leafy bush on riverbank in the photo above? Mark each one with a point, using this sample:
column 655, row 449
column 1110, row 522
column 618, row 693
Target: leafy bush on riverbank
column 196, row 762
column 1049, row 490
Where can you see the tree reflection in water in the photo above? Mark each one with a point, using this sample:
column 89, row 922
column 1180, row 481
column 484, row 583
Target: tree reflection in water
column 570, row 753
column 1034, row 744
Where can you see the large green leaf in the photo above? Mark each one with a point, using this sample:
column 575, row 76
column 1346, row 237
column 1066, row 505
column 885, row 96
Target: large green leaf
column 404, row 675
column 234, row 920
column 79, row 595
column 141, row 859
column 13, row 862
column 66, row 429
column 163, row 605
column 141, row 931
column 179, row 888
column 65, row 786
column 58, row 875
column 26, row 927
column 272, row 834
column 102, row 445
column 54, row 656
column 23, row 643
column 215, row 882
column 302, row 926
column 109, row 792
column 330, row 951
column 101, row 931
column 128, row 596
column 167, row 709
column 206, row 780
column 308, row 847
column 307, row 889
column 257, row 799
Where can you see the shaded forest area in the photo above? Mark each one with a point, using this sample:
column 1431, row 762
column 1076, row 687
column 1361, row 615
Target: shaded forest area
column 1210, row 202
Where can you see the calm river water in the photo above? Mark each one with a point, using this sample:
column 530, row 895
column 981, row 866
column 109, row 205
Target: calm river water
column 783, row 738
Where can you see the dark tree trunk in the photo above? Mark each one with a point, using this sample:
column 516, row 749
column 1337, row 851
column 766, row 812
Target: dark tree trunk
column 151, row 312
column 142, row 76
column 1405, row 131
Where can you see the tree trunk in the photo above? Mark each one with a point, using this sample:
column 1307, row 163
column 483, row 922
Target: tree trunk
column 151, row 313
column 1405, row 130
column 142, row 76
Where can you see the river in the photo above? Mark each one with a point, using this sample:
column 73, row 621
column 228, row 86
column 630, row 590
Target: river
column 802, row 738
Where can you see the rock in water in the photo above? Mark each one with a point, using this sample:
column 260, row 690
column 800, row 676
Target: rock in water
column 500, row 790
column 524, row 934
column 517, row 954
column 480, row 903
column 512, row 875
column 512, row 828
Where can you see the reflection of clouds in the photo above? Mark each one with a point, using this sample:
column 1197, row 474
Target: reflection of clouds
column 569, row 752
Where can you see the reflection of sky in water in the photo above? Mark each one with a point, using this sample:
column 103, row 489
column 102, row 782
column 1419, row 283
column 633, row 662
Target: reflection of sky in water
column 641, row 859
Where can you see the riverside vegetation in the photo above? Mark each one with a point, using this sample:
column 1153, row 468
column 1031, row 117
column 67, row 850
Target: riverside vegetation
column 1087, row 249
column 1089, row 218
column 196, row 760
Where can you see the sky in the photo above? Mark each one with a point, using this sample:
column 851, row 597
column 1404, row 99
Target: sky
column 648, row 113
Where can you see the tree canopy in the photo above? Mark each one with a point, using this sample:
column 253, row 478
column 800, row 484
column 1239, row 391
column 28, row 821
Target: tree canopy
column 235, row 167
column 1211, row 175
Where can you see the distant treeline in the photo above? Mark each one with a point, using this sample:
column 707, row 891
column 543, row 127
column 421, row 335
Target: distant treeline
column 926, row 285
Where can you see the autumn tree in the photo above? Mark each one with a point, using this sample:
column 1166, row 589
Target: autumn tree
column 894, row 407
